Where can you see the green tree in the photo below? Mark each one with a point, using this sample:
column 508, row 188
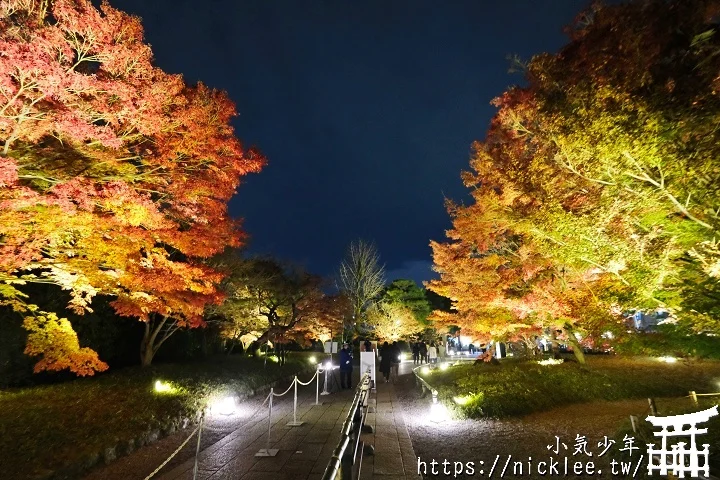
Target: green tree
column 406, row 293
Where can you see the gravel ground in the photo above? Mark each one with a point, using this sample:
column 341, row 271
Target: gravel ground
column 525, row 440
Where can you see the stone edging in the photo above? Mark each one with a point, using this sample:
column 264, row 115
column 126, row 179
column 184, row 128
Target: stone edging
column 173, row 424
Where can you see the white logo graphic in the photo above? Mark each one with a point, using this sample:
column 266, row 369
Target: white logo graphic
column 679, row 459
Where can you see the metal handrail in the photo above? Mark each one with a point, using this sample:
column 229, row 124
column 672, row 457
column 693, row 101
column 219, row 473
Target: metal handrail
column 424, row 382
column 334, row 466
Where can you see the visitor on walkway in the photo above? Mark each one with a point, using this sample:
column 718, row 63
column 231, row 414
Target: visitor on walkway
column 441, row 351
column 394, row 361
column 385, row 361
column 346, row 366
column 416, row 352
column 423, row 353
column 432, row 353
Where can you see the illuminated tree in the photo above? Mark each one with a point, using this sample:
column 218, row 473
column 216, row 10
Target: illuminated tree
column 362, row 278
column 281, row 302
column 114, row 176
column 603, row 169
column 392, row 321
column 406, row 293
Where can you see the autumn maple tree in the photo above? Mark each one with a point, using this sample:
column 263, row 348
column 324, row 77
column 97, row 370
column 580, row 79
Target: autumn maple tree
column 596, row 187
column 277, row 302
column 114, row 176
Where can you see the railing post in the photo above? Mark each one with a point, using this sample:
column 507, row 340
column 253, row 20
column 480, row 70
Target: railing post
column 317, row 388
column 197, row 448
column 268, row 452
column 294, row 422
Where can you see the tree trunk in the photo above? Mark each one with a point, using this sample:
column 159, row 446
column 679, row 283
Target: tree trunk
column 146, row 357
column 577, row 348
column 150, row 343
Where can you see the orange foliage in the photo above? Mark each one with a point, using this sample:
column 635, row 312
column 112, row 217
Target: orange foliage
column 114, row 175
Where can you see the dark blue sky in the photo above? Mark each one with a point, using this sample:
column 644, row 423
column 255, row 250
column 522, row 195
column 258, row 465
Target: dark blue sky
column 366, row 109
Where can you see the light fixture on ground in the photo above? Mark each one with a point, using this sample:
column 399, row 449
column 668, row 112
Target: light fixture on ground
column 444, row 366
column 224, row 405
column 438, row 411
column 164, row 387
column 425, row 370
column 313, row 359
column 462, row 399
column 551, row 361
column 667, row 359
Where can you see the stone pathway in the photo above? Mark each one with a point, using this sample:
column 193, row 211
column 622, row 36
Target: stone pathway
column 304, row 451
column 394, row 457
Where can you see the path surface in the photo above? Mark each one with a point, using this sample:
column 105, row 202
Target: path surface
column 229, row 444
column 524, row 440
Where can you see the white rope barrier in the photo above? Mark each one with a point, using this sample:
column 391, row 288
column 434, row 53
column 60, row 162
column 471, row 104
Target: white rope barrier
column 174, row 453
column 263, row 452
column 308, row 382
column 286, row 391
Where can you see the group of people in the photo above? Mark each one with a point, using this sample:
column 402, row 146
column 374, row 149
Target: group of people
column 422, row 353
column 390, row 358
column 390, row 361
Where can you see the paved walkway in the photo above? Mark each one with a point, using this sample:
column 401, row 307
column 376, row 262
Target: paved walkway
column 304, row 451
column 394, row 457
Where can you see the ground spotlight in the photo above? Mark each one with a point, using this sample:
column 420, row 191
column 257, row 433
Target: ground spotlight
column 223, row 406
column 164, row 387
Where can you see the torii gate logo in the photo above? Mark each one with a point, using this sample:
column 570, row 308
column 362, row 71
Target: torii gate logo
column 678, row 460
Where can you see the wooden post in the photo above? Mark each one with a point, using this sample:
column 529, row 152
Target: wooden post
column 634, row 423
column 653, row 408
column 693, row 397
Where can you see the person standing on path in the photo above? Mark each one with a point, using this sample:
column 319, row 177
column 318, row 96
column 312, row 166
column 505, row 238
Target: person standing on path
column 416, row 352
column 423, row 352
column 394, row 361
column 385, row 361
column 432, row 354
column 346, row 366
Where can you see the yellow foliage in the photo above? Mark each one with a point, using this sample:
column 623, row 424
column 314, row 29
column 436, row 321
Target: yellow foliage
column 56, row 342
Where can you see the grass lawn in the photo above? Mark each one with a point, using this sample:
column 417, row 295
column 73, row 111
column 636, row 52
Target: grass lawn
column 518, row 387
column 54, row 427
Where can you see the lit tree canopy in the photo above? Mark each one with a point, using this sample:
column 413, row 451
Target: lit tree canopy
column 598, row 184
column 401, row 311
column 282, row 302
column 362, row 278
column 406, row 293
column 114, row 175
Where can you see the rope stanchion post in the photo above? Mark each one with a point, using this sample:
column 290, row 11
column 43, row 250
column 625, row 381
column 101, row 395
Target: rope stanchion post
column 325, row 387
column 295, row 422
column 197, row 448
column 317, row 388
column 268, row 452
column 693, row 397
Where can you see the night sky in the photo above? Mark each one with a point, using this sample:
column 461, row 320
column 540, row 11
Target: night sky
column 366, row 110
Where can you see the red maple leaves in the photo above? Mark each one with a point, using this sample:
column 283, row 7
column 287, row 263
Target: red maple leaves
column 114, row 175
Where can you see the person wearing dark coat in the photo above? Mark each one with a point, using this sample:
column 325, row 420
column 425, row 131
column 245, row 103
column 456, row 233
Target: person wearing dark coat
column 394, row 361
column 346, row 366
column 385, row 361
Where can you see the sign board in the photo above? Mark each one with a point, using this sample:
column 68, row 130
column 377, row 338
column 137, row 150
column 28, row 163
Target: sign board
column 367, row 360
column 334, row 347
